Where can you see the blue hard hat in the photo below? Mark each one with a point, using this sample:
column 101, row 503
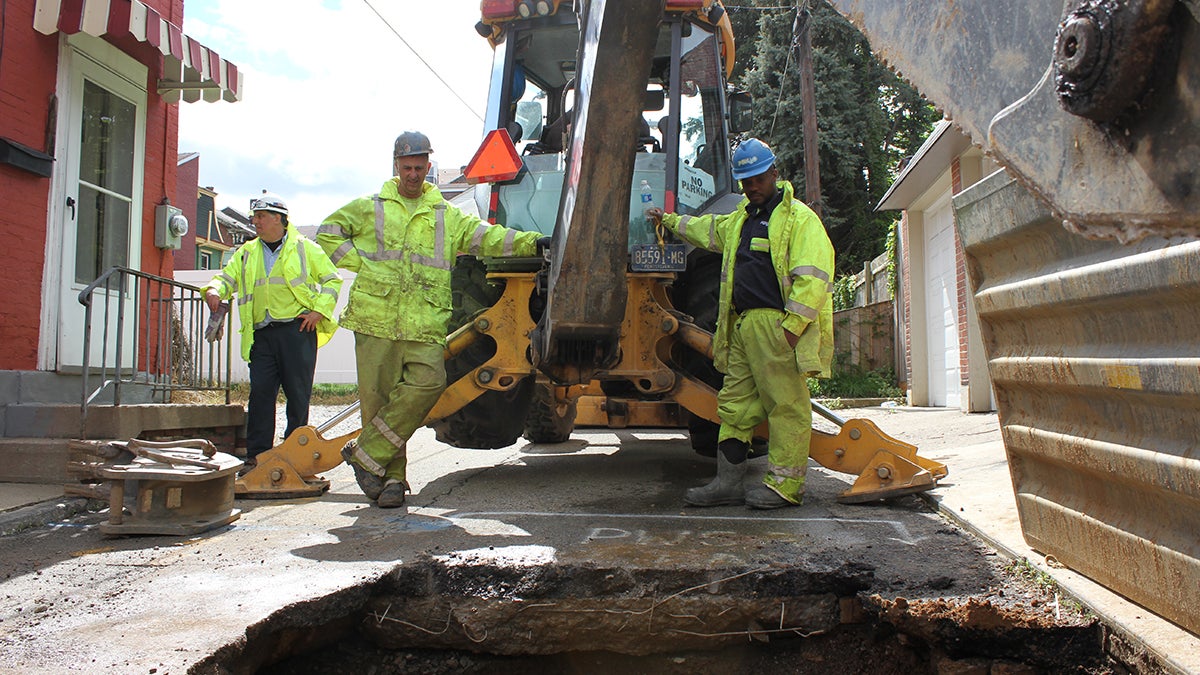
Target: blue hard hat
column 751, row 158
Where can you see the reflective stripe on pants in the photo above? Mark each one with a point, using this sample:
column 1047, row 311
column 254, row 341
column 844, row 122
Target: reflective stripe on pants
column 764, row 382
column 399, row 381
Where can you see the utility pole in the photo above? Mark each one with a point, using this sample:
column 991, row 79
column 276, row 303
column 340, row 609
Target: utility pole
column 812, row 168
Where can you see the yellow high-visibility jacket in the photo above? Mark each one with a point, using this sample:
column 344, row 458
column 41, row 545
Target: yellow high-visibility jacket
column 802, row 256
column 302, row 279
column 403, row 260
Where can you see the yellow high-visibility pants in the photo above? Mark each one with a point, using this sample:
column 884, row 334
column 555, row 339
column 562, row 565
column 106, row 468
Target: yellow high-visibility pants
column 399, row 382
column 764, row 382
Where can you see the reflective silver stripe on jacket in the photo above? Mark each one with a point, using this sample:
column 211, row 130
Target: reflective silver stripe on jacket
column 228, row 280
column 382, row 254
column 301, row 252
column 438, row 260
column 811, row 271
column 803, row 310
column 337, row 231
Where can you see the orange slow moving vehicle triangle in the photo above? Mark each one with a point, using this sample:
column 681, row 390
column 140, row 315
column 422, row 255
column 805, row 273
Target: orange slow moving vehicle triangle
column 496, row 160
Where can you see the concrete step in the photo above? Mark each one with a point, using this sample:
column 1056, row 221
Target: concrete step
column 34, row 447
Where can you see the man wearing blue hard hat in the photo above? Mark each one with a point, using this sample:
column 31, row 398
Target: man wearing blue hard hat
column 774, row 328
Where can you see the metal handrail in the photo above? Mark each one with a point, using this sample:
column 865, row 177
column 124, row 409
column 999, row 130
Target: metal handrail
column 165, row 327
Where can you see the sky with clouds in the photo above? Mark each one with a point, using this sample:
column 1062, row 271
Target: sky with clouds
column 328, row 87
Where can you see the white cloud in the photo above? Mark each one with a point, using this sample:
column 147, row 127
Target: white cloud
column 327, row 88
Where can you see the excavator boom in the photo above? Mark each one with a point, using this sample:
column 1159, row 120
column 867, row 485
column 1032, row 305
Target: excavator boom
column 580, row 330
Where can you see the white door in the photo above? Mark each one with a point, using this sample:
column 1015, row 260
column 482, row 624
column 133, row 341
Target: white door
column 100, row 217
column 941, row 304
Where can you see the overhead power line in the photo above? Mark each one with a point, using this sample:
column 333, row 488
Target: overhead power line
column 422, row 59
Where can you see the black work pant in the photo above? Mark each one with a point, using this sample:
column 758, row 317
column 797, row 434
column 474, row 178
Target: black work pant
column 281, row 356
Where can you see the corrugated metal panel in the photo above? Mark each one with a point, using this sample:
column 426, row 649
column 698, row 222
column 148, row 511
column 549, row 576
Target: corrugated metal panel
column 1094, row 350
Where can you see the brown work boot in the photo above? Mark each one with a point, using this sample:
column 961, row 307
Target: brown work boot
column 762, row 497
column 369, row 483
column 392, row 495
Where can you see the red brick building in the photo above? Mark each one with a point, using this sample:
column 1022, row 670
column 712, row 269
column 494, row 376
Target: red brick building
column 89, row 120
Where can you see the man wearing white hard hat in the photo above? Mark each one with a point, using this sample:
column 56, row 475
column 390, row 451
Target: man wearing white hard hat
column 287, row 290
column 774, row 328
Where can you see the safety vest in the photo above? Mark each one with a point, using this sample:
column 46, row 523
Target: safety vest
column 403, row 260
column 302, row 279
column 803, row 258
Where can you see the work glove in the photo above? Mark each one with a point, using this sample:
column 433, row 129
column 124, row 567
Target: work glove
column 543, row 245
column 216, row 323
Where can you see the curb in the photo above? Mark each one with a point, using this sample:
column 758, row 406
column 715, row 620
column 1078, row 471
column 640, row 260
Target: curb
column 1110, row 622
column 40, row 514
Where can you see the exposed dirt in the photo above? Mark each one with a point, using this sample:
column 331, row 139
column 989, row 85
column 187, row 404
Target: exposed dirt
column 432, row 619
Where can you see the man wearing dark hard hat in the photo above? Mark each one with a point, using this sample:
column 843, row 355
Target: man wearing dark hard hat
column 774, row 328
column 402, row 243
column 287, row 291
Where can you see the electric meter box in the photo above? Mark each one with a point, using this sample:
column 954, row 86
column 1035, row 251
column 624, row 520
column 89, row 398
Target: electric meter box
column 169, row 226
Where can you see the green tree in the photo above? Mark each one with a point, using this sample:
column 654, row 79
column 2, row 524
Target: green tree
column 867, row 117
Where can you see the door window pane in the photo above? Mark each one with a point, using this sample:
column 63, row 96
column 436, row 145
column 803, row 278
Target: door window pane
column 103, row 234
column 105, row 182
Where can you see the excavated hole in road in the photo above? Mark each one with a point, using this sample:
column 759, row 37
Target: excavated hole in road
column 465, row 617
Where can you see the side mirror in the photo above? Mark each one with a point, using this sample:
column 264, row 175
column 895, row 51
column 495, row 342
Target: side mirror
column 741, row 112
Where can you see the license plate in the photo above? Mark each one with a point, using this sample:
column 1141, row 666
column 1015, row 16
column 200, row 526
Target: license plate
column 654, row 258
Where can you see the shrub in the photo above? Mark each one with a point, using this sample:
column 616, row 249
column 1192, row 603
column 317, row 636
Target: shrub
column 856, row 383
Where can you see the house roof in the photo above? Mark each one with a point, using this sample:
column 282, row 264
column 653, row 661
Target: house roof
column 185, row 157
column 233, row 213
column 932, row 159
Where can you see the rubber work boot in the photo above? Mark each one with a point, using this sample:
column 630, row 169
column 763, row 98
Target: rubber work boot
column 762, row 497
column 369, row 483
column 726, row 488
column 392, row 495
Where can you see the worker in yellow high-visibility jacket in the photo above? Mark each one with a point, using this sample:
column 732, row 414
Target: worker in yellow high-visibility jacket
column 287, row 292
column 774, row 328
column 402, row 243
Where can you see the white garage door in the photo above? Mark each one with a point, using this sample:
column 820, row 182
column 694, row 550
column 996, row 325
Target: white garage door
column 941, row 302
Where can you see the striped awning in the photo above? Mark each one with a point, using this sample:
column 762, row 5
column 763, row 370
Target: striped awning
column 190, row 71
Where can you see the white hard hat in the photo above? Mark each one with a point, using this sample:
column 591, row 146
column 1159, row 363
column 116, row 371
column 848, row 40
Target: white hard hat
column 268, row 202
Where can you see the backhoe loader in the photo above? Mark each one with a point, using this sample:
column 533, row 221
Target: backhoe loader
column 601, row 109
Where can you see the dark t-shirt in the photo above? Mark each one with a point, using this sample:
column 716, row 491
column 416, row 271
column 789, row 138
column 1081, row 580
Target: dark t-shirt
column 755, row 285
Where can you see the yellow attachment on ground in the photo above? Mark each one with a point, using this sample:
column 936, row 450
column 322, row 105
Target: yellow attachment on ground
column 290, row 469
column 886, row 467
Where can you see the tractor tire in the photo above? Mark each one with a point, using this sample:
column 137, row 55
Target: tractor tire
column 496, row 418
column 544, row 424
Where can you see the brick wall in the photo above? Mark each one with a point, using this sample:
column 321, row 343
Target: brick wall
column 28, row 114
column 28, row 70
column 963, row 285
column 187, row 182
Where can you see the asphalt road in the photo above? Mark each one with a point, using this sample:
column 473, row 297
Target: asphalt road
column 72, row 599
